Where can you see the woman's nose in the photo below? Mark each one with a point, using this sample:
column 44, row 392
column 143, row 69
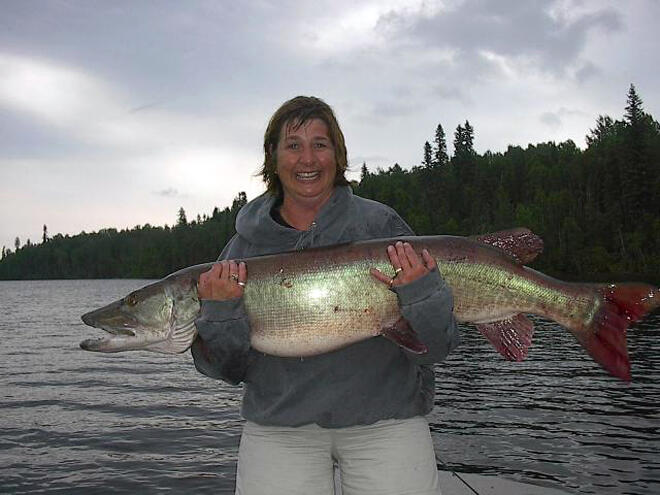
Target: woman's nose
column 307, row 155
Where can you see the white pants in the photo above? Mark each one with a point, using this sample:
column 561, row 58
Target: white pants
column 389, row 457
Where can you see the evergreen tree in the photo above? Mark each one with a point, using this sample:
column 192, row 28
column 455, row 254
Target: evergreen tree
column 428, row 155
column 464, row 142
column 45, row 236
column 458, row 139
column 604, row 129
column 364, row 171
column 634, row 111
column 635, row 173
column 17, row 243
column 440, row 157
column 182, row 221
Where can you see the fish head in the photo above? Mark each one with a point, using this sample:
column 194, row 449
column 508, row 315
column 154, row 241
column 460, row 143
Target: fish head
column 158, row 317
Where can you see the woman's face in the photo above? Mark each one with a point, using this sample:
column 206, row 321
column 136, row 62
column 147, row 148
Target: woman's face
column 306, row 162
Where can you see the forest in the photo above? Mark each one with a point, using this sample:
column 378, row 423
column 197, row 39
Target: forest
column 597, row 209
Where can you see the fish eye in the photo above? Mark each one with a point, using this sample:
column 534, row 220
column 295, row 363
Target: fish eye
column 131, row 299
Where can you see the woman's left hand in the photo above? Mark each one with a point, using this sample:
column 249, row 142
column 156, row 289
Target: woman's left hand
column 408, row 266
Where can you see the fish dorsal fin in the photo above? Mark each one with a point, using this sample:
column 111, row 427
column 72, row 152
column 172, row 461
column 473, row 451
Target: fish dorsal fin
column 178, row 341
column 402, row 334
column 521, row 243
column 511, row 337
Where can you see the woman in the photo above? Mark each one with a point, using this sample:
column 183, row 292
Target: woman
column 361, row 406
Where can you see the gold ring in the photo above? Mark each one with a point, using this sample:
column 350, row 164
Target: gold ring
column 234, row 277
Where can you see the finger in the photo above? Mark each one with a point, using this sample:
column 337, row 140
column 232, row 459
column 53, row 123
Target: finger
column 394, row 257
column 429, row 260
column 224, row 270
column 393, row 254
column 378, row 275
column 242, row 272
column 401, row 254
column 411, row 255
column 233, row 271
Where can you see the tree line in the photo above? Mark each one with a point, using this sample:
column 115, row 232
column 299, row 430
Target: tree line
column 597, row 210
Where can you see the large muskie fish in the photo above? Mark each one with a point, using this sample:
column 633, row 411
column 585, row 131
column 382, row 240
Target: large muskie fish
column 318, row 300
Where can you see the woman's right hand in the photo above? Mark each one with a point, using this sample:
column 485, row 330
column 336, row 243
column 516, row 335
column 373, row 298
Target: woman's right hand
column 225, row 280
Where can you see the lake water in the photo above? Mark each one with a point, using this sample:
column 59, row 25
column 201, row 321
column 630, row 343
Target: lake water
column 78, row 422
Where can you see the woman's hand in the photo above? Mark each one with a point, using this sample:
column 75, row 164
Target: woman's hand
column 225, row 280
column 408, row 266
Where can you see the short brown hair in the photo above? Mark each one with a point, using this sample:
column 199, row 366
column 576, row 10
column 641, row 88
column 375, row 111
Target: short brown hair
column 296, row 112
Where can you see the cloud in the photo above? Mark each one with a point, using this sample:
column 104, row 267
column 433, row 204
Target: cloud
column 170, row 192
column 61, row 96
column 587, row 71
column 555, row 119
column 543, row 34
column 448, row 92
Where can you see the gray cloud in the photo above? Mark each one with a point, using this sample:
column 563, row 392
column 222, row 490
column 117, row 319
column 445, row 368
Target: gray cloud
column 534, row 31
column 170, row 192
column 556, row 119
column 451, row 93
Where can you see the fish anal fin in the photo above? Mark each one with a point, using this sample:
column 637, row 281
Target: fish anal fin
column 510, row 337
column 402, row 334
column 521, row 243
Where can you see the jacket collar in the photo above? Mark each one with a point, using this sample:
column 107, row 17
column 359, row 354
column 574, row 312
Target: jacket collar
column 256, row 225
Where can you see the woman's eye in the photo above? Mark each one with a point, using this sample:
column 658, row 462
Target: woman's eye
column 292, row 146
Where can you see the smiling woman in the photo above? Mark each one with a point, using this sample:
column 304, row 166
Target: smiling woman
column 362, row 406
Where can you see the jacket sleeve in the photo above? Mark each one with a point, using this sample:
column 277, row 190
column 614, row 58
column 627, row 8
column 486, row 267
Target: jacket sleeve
column 427, row 305
column 222, row 347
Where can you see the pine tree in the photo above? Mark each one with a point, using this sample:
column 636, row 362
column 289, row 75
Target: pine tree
column 458, row 139
column 604, row 128
column 364, row 171
column 464, row 142
column 635, row 173
column 182, row 220
column 17, row 243
column 440, row 157
column 634, row 111
column 469, row 138
column 428, row 155
column 45, row 236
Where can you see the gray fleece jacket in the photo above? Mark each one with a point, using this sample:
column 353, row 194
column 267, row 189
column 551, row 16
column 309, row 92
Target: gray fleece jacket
column 360, row 384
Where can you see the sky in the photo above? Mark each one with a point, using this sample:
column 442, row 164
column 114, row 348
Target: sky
column 118, row 113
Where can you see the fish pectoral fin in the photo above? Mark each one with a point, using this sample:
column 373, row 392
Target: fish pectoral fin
column 510, row 337
column 178, row 340
column 402, row 334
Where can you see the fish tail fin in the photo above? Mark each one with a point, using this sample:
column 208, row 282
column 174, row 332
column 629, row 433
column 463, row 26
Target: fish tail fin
column 604, row 338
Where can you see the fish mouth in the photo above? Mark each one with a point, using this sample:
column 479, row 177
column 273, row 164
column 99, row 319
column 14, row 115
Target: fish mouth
column 117, row 324
column 120, row 326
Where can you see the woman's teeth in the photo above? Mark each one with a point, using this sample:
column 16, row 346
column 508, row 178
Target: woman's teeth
column 307, row 175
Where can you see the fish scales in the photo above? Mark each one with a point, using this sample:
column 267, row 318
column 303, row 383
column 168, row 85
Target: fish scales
column 311, row 304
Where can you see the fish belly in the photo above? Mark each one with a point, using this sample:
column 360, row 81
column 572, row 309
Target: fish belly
column 319, row 309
